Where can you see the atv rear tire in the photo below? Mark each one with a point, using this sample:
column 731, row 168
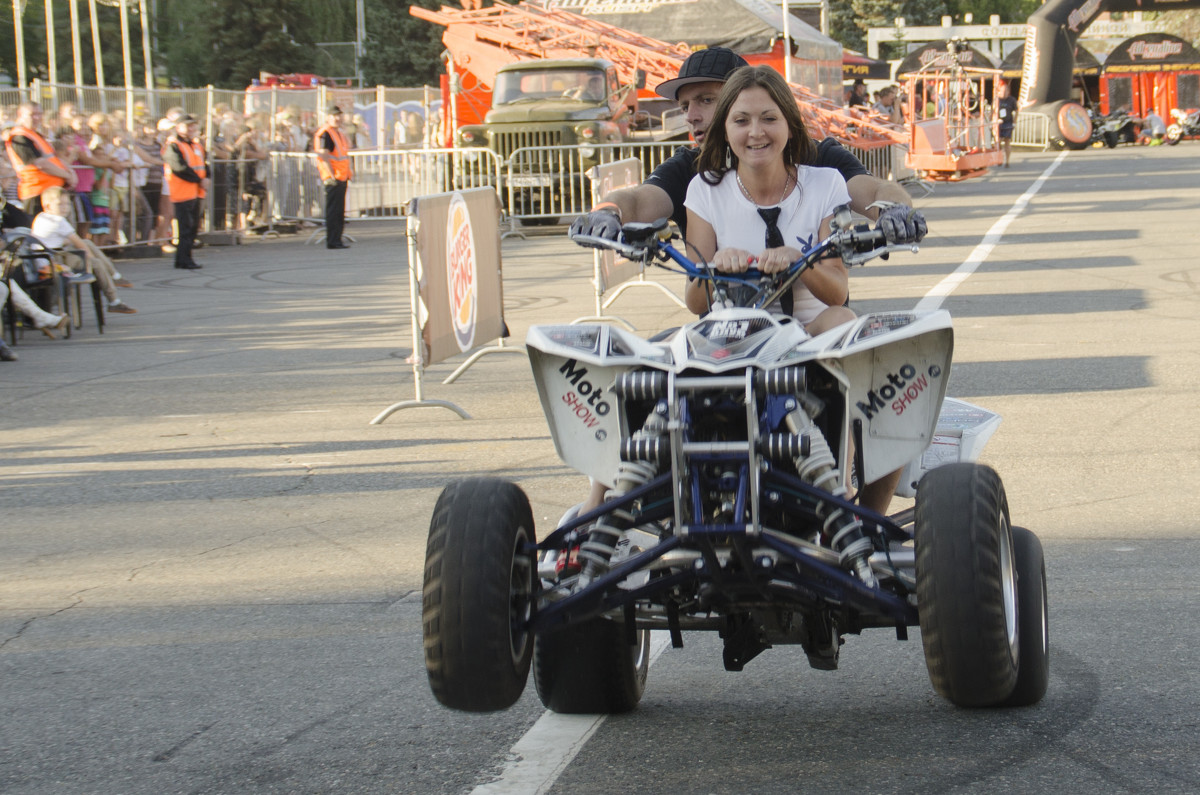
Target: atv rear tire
column 480, row 586
column 591, row 667
column 1033, row 667
column 966, row 585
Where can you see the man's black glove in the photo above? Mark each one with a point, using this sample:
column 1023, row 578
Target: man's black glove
column 598, row 223
column 900, row 223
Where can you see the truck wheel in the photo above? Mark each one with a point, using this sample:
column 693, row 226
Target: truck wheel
column 1174, row 135
column 967, row 585
column 480, row 585
column 591, row 667
column 1033, row 667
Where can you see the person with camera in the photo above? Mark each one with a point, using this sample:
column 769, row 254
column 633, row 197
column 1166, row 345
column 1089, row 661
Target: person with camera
column 333, row 163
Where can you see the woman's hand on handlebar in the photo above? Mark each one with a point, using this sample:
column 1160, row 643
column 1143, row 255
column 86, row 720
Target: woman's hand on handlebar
column 733, row 260
column 777, row 260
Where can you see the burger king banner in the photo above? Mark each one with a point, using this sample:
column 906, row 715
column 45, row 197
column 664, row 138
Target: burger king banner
column 462, row 300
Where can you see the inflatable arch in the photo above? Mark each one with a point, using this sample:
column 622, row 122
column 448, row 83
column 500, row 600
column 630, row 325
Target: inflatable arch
column 1050, row 59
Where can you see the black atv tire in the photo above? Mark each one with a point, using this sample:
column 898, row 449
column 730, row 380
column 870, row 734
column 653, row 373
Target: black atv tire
column 479, row 591
column 591, row 668
column 1033, row 667
column 966, row 585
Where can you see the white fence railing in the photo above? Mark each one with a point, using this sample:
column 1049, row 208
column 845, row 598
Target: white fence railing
column 1032, row 130
column 537, row 185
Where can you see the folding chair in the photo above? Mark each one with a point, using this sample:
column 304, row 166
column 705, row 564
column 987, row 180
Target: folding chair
column 22, row 259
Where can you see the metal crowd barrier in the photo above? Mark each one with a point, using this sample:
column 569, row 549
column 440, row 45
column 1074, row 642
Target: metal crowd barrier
column 1032, row 130
column 541, row 184
column 536, row 185
column 384, row 181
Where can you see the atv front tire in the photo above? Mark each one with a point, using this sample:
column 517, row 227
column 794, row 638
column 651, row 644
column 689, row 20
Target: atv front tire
column 591, row 667
column 967, row 585
column 479, row 590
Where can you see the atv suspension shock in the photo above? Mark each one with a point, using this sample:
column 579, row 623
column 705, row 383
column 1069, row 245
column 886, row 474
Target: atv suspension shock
column 603, row 536
column 841, row 528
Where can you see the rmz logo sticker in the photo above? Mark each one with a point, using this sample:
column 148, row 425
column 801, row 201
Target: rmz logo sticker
column 729, row 329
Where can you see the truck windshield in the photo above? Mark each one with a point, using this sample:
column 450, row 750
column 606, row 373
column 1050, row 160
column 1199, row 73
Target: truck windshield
column 577, row 84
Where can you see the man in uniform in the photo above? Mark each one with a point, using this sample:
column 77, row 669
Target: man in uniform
column 333, row 162
column 34, row 160
column 186, row 177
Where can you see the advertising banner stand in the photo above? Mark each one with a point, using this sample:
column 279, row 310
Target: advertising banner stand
column 455, row 284
column 606, row 269
column 416, row 359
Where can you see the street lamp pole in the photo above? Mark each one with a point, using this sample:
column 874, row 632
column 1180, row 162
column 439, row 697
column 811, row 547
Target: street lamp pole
column 51, row 54
column 360, row 33
column 19, row 33
column 787, row 39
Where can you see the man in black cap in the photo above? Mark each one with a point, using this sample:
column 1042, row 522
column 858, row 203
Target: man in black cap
column 333, row 162
column 695, row 91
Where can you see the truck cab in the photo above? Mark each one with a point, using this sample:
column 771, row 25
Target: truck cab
column 554, row 102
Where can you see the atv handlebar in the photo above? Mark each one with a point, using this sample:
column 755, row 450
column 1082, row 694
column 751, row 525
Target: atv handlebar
column 649, row 243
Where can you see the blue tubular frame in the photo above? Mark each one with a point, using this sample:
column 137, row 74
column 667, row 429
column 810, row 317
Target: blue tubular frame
column 814, row 582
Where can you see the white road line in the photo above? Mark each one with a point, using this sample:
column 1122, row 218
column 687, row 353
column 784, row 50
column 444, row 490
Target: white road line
column 934, row 298
column 540, row 757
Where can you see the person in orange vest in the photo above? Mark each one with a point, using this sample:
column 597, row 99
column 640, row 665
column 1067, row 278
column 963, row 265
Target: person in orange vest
column 186, row 178
column 33, row 159
column 333, row 163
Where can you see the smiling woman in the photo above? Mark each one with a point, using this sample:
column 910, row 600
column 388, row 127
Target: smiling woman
column 759, row 203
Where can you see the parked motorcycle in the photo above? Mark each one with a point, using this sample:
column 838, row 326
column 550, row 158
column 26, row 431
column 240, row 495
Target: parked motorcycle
column 1114, row 128
column 733, row 447
column 1187, row 123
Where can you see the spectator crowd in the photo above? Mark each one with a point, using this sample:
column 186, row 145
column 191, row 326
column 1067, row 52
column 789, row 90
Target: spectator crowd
column 82, row 182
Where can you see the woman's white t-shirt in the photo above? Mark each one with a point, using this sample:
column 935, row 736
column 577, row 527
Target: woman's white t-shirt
column 737, row 224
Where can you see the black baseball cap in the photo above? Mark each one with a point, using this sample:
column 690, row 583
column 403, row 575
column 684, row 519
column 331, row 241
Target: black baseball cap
column 332, row 110
column 703, row 66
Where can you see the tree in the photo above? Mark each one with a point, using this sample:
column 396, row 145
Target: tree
column 1184, row 24
column 226, row 43
column 850, row 19
column 401, row 50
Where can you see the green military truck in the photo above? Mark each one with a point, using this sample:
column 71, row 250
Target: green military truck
column 548, row 125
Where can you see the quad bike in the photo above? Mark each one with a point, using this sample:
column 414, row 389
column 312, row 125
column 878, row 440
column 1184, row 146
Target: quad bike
column 732, row 448
column 1187, row 123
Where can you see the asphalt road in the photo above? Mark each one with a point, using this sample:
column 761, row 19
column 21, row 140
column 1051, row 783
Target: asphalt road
column 210, row 563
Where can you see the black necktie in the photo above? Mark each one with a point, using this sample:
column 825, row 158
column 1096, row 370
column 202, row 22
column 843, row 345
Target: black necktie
column 771, row 216
column 775, row 240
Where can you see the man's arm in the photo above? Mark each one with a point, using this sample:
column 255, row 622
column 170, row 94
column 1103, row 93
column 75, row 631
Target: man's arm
column 645, row 203
column 866, row 190
column 47, row 165
column 28, row 153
